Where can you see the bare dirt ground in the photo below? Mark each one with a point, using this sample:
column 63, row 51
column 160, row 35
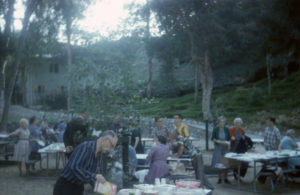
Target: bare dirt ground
column 37, row 184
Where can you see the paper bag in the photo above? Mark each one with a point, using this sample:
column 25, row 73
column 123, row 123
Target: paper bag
column 106, row 188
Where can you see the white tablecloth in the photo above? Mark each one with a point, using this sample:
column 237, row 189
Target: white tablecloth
column 53, row 148
column 250, row 157
column 144, row 156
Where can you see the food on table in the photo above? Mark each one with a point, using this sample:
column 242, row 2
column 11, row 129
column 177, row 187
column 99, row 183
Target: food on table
column 106, row 188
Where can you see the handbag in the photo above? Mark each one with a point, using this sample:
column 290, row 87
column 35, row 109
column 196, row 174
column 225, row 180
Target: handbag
column 249, row 142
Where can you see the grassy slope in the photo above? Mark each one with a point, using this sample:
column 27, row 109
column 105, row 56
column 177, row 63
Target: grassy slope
column 233, row 101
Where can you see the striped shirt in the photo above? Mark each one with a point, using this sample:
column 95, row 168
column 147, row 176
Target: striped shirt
column 82, row 165
column 160, row 131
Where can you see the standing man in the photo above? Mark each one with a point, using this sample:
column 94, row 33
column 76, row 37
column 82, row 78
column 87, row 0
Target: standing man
column 82, row 166
column 160, row 129
column 116, row 126
column 182, row 129
column 272, row 135
column 76, row 132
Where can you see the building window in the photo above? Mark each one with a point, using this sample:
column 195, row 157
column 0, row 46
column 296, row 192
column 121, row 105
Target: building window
column 54, row 68
column 63, row 89
column 41, row 89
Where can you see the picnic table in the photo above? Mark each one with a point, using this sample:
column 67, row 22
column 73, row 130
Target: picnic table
column 150, row 140
column 58, row 149
column 266, row 158
column 167, row 189
column 3, row 136
column 4, row 142
column 144, row 156
column 256, row 140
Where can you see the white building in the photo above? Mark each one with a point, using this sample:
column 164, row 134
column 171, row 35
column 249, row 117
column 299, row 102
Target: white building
column 47, row 78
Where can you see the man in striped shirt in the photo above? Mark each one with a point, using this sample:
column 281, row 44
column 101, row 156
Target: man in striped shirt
column 82, row 166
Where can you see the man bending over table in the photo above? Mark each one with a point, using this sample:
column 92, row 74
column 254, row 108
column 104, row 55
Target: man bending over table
column 82, row 166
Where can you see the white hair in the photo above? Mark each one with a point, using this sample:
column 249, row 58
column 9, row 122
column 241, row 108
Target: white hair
column 238, row 119
column 24, row 120
column 290, row 132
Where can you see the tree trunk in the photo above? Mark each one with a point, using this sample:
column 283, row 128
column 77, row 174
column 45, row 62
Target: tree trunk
column 69, row 60
column 299, row 62
column 149, row 83
column 286, row 65
column 7, row 33
column 286, row 72
column 23, row 85
column 149, row 53
column 268, row 64
column 196, row 63
column 206, row 79
column 15, row 67
column 196, row 87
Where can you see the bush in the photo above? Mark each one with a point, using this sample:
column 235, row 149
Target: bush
column 256, row 97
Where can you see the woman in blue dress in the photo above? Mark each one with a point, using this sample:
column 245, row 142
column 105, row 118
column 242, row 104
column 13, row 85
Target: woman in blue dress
column 35, row 136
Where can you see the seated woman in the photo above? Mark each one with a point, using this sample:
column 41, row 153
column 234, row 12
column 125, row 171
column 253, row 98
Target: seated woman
column 238, row 144
column 157, row 158
column 288, row 143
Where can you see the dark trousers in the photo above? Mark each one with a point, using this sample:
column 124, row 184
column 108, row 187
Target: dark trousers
column 64, row 187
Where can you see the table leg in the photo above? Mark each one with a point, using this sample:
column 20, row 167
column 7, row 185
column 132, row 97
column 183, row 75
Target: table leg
column 239, row 175
column 47, row 169
column 6, row 152
column 254, row 177
column 56, row 160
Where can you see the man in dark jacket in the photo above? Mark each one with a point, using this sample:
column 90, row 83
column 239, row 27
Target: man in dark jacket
column 76, row 132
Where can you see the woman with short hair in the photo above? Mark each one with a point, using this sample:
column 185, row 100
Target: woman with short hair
column 221, row 138
column 22, row 149
column 238, row 144
column 157, row 158
column 288, row 143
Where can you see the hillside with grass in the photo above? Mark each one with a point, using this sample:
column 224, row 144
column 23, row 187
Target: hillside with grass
column 250, row 101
